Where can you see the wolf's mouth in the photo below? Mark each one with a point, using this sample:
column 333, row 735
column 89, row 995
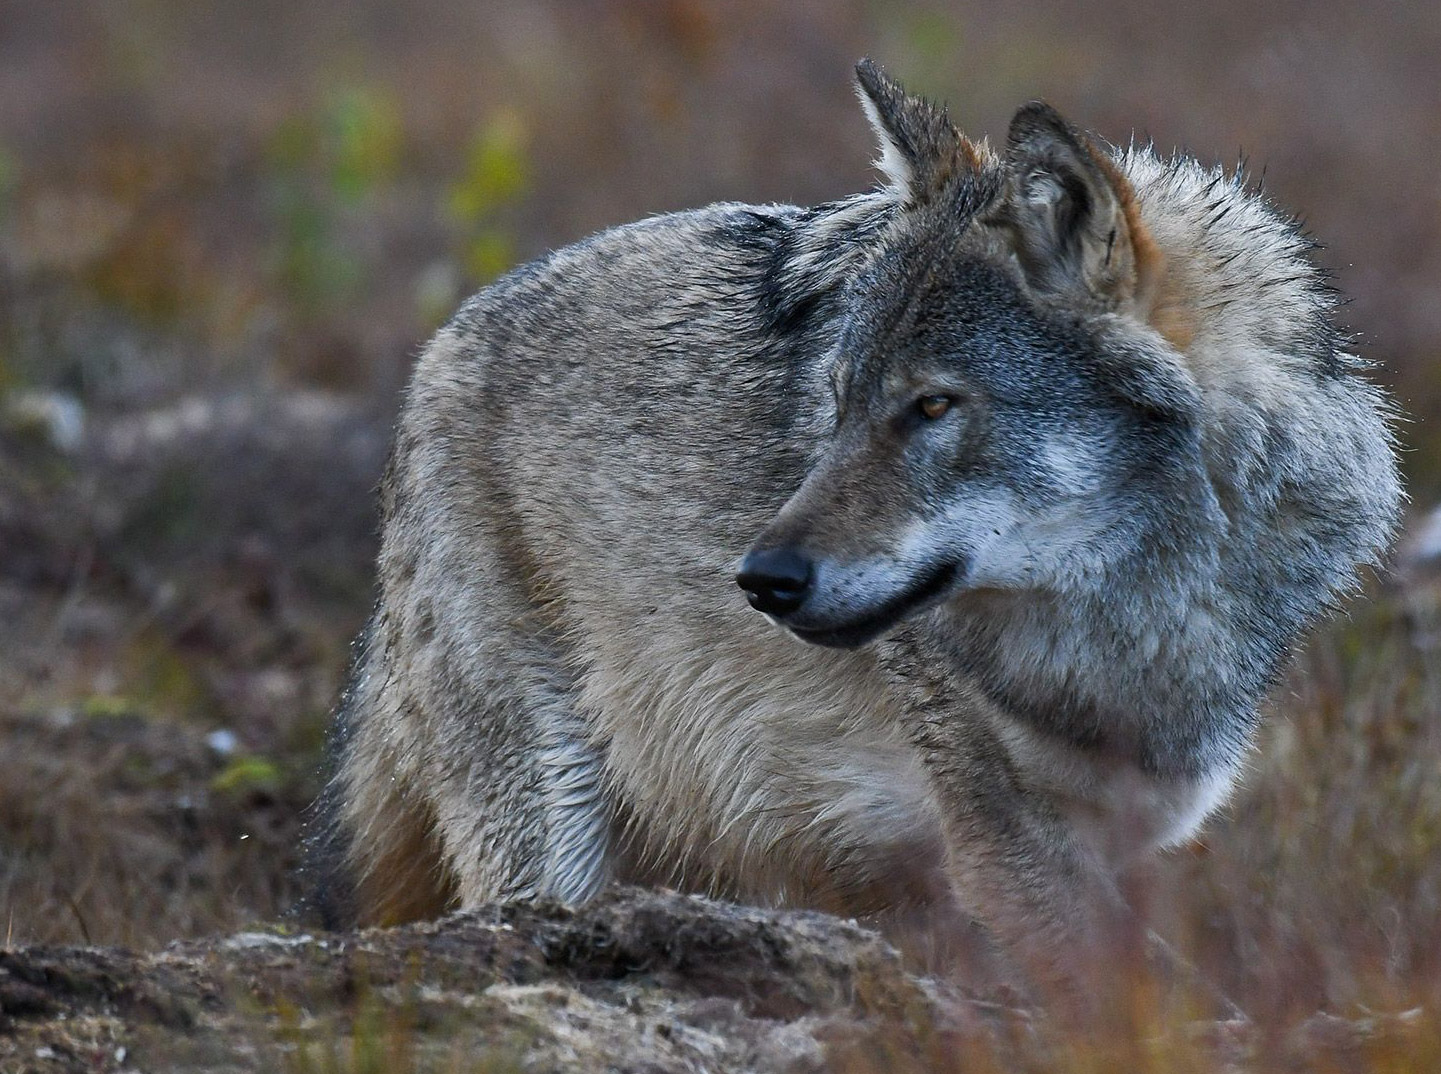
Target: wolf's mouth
column 856, row 633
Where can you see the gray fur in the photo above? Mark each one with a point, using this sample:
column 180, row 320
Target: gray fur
column 1047, row 617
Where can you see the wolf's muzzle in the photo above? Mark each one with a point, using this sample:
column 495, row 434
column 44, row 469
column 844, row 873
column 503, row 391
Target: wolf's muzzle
column 776, row 580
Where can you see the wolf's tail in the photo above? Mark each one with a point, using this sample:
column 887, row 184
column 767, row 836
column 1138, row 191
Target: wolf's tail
column 370, row 855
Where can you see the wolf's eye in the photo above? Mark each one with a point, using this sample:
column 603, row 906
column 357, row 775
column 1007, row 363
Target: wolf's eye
column 932, row 407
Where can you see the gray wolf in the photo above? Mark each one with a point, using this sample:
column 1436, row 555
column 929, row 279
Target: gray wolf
column 1032, row 466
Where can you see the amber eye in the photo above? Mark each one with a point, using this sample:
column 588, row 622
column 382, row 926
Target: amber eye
column 933, row 406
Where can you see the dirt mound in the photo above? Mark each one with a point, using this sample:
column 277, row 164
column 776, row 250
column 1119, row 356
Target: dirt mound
column 636, row 982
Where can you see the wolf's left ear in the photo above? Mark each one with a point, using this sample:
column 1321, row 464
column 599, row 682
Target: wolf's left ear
column 1072, row 217
column 920, row 149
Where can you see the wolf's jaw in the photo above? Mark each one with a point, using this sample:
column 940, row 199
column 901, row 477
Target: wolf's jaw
column 931, row 588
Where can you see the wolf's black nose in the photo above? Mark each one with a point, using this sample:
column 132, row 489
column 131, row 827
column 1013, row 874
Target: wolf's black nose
column 776, row 580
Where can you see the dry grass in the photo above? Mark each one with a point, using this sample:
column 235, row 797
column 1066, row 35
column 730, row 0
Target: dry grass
column 122, row 830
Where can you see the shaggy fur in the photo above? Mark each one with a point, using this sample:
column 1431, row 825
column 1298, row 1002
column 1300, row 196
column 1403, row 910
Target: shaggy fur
column 1067, row 450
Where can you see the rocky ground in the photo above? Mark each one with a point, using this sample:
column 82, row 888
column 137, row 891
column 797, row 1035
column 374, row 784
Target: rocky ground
column 637, row 982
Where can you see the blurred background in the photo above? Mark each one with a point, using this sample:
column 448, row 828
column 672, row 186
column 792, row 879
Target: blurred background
column 226, row 228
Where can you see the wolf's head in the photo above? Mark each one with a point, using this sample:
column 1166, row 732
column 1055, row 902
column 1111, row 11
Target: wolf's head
column 1006, row 416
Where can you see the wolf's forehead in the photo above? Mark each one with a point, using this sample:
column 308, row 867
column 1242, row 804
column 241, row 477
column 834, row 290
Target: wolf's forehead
column 951, row 303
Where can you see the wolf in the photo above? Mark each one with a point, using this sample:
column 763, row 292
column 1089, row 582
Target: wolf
column 931, row 551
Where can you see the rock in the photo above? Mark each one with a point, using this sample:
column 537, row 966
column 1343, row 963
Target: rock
column 57, row 418
column 636, row 981
column 1421, row 548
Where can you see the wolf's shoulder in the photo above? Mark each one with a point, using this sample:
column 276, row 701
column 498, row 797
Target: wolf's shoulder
column 771, row 267
column 668, row 248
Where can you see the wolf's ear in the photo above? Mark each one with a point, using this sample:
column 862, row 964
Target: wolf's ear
column 1072, row 216
column 920, row 149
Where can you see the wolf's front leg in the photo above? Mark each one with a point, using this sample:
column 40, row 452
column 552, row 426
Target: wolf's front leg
column 1019, row 866
column 1048, row 890
column 1052, row 904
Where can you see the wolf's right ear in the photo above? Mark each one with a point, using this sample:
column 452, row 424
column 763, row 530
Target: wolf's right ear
column 920, row 149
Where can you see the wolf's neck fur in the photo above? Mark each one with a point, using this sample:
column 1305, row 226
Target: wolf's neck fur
column 1166, row 653
column 1149, row 669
